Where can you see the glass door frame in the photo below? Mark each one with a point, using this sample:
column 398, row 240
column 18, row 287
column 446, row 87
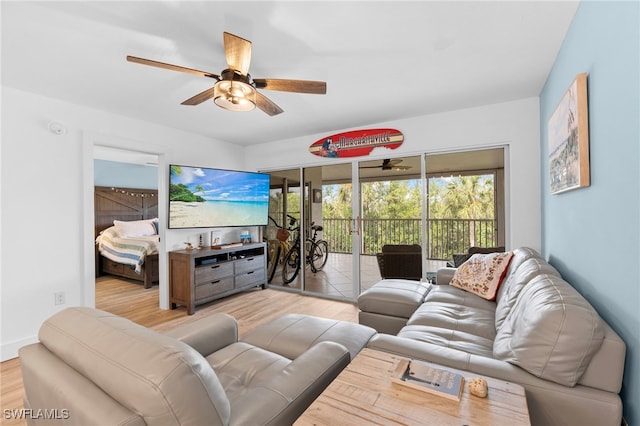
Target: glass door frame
column 356, row 228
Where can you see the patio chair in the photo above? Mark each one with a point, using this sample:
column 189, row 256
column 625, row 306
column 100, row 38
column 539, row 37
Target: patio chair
column 401, row 261
column 460, row 258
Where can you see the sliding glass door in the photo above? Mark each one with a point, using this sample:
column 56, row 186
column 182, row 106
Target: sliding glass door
column 328, row 247
column 282, row 232
column 391, row 200
column 466, row 203
column 311, row 230
column 444, row 203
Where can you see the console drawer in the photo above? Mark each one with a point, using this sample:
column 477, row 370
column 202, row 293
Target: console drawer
column 249, row 264
column 212, row 288
column 213, row 272
column 252, row 277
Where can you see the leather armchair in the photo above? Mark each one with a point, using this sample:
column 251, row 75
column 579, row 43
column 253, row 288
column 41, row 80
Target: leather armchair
column 92, row 367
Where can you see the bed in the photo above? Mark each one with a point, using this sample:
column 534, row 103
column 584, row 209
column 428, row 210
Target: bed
column 119, row 251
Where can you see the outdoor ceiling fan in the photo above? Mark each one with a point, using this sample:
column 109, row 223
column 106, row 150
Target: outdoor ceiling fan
column 234, row 89
column 388, row 164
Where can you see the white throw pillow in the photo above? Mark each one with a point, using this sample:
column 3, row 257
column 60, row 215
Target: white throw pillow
column 134, row 228
column 482, row 274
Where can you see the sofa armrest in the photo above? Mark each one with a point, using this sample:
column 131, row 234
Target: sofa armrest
column 312, row 371
column 284, row 397
column 50, row 383
column 208, row 334
column 444, row 275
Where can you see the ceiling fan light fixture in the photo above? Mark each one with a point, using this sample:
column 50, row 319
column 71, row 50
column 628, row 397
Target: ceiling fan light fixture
column 234, row 89
column 234, row 95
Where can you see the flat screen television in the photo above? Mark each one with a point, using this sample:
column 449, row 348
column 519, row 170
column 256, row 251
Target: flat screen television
column 202, row 197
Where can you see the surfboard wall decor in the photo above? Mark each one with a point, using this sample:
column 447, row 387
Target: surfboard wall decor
column 356, row 143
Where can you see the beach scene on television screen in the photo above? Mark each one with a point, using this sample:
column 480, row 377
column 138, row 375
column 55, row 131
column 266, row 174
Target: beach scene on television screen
column 202, row 197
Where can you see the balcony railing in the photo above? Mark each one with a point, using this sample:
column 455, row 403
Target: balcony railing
column 446, row 236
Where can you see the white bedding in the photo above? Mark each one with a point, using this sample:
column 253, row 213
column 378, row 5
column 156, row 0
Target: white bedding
column 128, row 250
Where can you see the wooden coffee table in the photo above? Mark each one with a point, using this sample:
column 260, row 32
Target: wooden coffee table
column 363, row 394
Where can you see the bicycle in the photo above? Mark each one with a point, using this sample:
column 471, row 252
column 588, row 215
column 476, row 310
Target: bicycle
column 279, row 247
column 317, row 253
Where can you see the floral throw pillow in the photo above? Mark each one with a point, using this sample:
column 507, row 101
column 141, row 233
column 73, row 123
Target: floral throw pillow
column 482, row 274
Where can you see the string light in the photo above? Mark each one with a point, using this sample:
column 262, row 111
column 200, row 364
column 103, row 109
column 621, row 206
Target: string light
column 134, row 194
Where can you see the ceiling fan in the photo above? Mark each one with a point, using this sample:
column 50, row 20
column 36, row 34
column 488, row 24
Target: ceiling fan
column 234, row 89
column 388, row 164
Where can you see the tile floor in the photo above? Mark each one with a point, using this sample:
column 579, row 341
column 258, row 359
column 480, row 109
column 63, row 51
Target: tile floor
column 336, row 278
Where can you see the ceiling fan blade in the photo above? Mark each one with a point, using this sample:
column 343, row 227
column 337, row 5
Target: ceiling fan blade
column 397, row 168
column 370, row 167
column 388, row 164
column 267, row 105
column 298, row 86
column 200, row 97
column 238, row 53
column 171, row 67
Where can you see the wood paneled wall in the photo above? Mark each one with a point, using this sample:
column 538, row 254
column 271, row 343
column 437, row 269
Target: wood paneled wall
column 123, row 204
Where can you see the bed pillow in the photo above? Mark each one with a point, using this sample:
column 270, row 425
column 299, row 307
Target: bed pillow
column 156, row 224
column 135, row 228
column 482, row 274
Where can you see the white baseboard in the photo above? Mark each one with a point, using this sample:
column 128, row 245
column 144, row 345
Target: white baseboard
column 10, row 350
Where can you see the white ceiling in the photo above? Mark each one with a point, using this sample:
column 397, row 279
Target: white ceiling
column 381, row 60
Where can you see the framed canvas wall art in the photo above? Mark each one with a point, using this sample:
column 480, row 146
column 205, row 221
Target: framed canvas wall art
column 568, row 141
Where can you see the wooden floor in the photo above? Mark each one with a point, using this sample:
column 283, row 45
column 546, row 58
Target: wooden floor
column 131, row 300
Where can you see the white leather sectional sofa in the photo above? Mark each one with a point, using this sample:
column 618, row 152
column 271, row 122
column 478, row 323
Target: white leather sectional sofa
column 538, row 332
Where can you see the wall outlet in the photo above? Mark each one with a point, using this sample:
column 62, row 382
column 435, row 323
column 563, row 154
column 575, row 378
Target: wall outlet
column 59, row 298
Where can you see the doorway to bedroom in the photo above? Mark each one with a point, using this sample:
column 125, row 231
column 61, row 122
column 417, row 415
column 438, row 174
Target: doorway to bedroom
column 125, row 190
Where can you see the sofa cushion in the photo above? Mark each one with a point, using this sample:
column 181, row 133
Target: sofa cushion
column 290, row 335
column 552, row 331
column 520, row 254
column 240, row 366
column 482, row 274
column 394, row 297
column 475, row 317
column 515, row 281
column 447, row 338
column 454, row 318
column 445, row 294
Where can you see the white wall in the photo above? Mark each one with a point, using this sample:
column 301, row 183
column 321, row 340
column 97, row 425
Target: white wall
column 44, row 202
column 44, row 196
column 513, row 124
